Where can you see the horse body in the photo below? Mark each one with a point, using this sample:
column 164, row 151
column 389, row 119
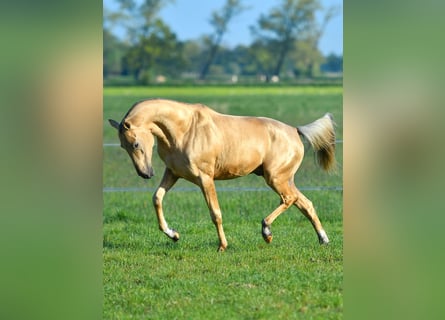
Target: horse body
column 251, row 144
column 200, row 145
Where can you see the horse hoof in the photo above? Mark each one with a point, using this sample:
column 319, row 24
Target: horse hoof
column 221, row 249
column 175, row 236
column 172, row 234
column 268, row 238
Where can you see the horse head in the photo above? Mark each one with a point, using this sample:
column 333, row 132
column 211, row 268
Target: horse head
column 138, row 142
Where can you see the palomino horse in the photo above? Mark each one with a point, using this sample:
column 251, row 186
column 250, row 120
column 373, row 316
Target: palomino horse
column 201, row 145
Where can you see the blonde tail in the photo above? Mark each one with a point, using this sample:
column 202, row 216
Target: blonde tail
column 321, row 136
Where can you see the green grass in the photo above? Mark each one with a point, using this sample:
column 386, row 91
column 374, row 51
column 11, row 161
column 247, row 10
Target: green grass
column 147, row 276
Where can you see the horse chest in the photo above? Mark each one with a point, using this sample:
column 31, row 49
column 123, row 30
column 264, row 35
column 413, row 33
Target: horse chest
column 178, row 163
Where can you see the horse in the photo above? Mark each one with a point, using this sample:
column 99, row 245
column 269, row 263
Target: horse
column 201, row 145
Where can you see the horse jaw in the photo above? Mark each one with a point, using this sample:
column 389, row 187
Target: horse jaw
column 146, row 173
column 143, row 167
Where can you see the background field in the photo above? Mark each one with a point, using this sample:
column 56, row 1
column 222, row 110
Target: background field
column 146, row 276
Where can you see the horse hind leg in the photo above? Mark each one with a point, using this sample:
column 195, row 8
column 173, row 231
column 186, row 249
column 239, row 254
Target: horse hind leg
column 291, row 195
column 267, row 222
column 306, row 207
column 287, row 199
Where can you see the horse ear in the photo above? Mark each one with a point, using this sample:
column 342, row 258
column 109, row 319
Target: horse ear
column 114, row 123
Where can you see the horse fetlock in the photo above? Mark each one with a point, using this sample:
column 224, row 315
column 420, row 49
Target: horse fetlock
column 266, row 232
column 323, row 237
column 172, row 234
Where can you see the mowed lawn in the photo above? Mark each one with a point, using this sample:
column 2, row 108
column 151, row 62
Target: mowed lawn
column 147, row 276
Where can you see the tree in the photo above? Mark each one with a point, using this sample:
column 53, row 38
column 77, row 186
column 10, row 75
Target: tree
column 219, row 21
column 314, row 38
column 285, row 24
column 152, row 46
column 157, row 52
column 305, row 59
column 137, row 17
column 333, row 63
column 113, row 48
column 113, row 51
column 194, row 54
column 262, row 53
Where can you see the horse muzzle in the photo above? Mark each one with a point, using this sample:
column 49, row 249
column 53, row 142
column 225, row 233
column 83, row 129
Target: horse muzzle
column 146, row 175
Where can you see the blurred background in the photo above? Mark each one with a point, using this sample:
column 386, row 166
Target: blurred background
column 51, row 73
column 225, row 41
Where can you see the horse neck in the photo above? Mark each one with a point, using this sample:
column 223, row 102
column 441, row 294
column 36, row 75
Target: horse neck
column 168, row 120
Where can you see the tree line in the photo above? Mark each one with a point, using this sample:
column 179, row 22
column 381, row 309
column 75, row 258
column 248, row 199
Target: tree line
column 285, row 44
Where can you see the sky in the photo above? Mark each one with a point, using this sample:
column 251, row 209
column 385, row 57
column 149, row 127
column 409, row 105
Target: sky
column 189, row 19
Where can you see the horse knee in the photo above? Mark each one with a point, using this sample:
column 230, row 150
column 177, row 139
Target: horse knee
column 216, row 218
column 288, row 200
column 157, row 200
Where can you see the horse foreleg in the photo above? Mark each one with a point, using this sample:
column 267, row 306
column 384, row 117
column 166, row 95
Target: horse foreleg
column 209, row 191
column 307, row 208
column 168, row 180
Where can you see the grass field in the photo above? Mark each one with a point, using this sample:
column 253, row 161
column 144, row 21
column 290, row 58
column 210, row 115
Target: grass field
column 147, row 276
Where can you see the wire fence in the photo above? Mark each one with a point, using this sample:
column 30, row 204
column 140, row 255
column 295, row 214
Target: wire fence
column 219, row 189
column 118, row 145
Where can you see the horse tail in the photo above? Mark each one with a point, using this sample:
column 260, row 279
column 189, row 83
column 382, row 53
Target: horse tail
column 321, row 136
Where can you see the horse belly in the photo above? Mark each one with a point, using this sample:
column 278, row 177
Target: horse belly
column 238, row 166
column 243, row 151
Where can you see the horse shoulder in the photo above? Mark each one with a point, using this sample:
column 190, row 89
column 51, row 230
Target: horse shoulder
column 204, row 129
column 202, row 141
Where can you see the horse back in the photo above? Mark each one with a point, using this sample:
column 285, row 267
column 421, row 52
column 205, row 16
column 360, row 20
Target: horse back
column 248, row 144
